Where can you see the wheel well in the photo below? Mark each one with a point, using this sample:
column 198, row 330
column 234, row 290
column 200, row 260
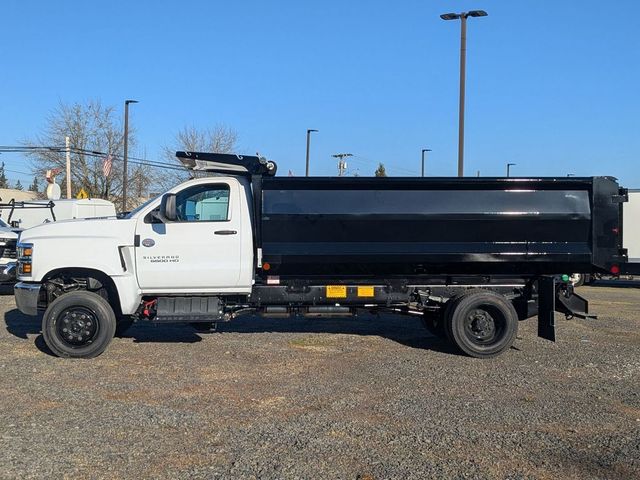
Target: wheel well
column 94, row 280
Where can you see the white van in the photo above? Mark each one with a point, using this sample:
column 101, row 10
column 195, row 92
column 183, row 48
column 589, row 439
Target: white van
column 36, row 212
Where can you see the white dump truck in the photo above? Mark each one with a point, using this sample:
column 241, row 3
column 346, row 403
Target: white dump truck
column 469, row 256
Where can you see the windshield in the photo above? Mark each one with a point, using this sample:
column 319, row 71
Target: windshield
column 135, row 211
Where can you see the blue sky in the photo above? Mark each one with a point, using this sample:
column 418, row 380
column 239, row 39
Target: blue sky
column 551, row 86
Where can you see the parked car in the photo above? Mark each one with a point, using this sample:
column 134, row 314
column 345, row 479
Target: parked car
column 8, row 241
column 16, row 216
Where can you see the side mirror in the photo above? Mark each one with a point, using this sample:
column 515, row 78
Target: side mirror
column 168, row 207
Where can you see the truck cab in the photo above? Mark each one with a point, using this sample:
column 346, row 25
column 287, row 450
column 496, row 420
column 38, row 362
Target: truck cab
column 206, row 248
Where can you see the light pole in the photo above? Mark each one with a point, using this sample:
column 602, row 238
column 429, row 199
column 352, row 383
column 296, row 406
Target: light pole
column 463, row 62
column 308, row 142
column 424, row 150
column 509, row 165
column 126, row 146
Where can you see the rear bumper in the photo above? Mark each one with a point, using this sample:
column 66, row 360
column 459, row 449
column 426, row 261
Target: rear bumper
column 27, row 297
column 8, row 273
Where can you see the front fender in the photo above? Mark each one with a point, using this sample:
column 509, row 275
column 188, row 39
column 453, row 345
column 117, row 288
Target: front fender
column 93, row 253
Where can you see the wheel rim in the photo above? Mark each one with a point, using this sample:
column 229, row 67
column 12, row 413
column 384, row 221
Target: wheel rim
column 77, row 327
column 484, row 325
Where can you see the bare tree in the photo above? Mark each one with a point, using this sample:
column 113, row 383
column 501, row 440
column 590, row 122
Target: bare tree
column 91, row 127
column 218, row 139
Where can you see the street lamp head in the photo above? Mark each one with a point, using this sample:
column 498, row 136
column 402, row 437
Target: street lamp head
column 426, row 149
column 127, row 102
column 312, row 130
column 477, row 13
column 450, row 16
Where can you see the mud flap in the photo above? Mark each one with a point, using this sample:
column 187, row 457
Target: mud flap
column 555, row 295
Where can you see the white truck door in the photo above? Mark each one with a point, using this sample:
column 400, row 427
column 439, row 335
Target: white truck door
column 202, row 250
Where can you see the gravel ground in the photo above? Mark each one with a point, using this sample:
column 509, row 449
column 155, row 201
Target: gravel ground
column 366, row 398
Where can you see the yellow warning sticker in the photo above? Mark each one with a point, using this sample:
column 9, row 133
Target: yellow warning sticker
column 365, row 291
column 336, row 291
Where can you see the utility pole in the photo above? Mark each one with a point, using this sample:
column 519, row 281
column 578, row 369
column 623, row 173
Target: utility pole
column 308, row 142
column 342, row 165
column 463, row 66
column 67, row 142
column 424, row 150
column 126, row 146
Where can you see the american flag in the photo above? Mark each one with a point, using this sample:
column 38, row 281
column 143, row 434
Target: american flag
column 106, row 165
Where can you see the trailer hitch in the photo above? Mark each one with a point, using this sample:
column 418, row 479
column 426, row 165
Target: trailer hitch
column 555, row 295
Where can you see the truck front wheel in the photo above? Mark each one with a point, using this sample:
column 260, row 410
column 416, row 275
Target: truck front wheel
column 78, row 325
column 482, row 324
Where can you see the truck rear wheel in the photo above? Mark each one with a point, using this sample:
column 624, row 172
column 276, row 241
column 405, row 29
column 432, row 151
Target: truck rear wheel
column 482, row 324
column 78, row 325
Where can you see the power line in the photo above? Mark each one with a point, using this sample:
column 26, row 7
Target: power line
column 365, row 160
column 88, row 153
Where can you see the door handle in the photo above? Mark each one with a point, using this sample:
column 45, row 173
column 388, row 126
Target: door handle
column 225, row 232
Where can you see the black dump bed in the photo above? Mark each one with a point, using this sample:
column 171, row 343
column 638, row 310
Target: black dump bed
column 417, row 226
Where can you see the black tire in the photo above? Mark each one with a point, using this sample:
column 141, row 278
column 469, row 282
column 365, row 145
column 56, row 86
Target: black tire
column 78, row 325
column 481, row 323
column 122, row 326
column 449, row 304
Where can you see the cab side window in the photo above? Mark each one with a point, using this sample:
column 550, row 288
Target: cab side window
column 203, row 203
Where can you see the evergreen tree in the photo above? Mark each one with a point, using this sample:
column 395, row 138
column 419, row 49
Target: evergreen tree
column 34, row 187
column 380, row 171
column 19, row 186
column 3, row 178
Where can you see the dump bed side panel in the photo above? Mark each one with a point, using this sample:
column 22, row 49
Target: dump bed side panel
column 408, row 226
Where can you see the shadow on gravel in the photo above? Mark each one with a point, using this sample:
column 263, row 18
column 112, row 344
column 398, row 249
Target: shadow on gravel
column 403, row 330
column 407, row 331
column 21, row 325
column 145, row 332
